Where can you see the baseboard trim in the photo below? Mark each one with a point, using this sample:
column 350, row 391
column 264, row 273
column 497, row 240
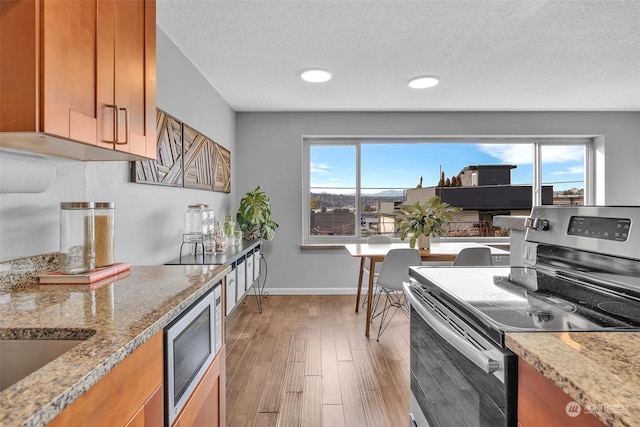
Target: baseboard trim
column 311, row 291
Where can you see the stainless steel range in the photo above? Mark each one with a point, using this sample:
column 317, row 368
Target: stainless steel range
column 581, row 273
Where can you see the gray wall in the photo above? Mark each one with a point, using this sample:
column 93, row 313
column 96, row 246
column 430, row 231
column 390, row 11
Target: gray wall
column 149, row 218
column 269, row 145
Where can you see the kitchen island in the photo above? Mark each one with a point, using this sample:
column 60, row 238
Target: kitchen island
column 599, row 370
column 114, row 319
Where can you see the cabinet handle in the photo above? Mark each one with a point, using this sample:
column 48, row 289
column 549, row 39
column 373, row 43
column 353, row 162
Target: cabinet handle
column 116, row 123
column 126, row 126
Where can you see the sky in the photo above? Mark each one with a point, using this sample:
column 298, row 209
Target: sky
column 400, row 165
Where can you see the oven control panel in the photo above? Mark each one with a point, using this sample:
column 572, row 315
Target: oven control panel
column 606, row 230
column 600, row 228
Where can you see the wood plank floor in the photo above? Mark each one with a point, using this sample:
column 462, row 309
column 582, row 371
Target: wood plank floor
column 306, row 362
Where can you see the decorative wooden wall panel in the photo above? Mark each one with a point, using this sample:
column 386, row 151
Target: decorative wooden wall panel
column 167, row 168
column 199, row 159
column 185, row 158
column 223, row 170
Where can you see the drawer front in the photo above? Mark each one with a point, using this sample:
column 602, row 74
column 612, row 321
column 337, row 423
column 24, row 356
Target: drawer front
column 231, row 296
column 249, row 272
column 241, row 278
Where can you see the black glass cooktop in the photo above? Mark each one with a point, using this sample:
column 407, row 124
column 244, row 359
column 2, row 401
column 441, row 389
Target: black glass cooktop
column 496, row 300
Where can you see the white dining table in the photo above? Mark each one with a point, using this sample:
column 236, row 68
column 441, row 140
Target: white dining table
column 376, row 252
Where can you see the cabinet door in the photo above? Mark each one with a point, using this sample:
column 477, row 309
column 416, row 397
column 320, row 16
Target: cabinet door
column 230, row 291
column 241, row 278
column 68, row 69
column 116, row 399
column 249, row 273
column 135, row 74
column 126, row 79
column 541, row 403
column 207, row 404
column 152, row 413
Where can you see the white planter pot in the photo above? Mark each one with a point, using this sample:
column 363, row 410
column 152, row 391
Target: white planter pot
column 424, row 242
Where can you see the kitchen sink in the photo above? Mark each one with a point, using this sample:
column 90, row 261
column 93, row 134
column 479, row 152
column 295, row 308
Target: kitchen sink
column 21, row 357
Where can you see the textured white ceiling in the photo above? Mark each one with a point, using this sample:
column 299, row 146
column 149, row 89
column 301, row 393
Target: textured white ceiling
column 490, row 55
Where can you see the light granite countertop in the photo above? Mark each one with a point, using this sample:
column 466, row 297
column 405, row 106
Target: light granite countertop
column 599, row 370
column 117, row 316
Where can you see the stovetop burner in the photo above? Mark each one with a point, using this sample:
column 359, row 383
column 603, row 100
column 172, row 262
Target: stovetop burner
column 538, row 304
column 621, row 308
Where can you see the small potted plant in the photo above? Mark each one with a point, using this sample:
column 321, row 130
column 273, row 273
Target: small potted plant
column 421, row 221
column 254, row 216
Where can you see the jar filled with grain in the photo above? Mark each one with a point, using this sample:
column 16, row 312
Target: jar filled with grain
column 104, row 233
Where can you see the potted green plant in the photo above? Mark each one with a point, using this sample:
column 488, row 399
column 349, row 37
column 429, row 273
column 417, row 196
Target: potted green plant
column 254, row 216
column 421, row 221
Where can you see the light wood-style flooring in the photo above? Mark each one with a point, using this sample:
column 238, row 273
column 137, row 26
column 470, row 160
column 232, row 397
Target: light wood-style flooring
column 306, row 362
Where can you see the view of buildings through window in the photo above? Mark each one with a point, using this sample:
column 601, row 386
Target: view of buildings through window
column 355, row 187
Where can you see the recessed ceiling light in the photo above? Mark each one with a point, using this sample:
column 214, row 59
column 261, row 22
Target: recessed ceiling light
column 315, row 75
column 423, row 82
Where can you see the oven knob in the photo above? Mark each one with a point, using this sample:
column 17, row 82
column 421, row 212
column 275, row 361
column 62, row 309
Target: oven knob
column 537, row 223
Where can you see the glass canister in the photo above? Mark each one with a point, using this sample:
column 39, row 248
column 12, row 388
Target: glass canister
column 105, row 233
column 195, row 223
column 77, row 237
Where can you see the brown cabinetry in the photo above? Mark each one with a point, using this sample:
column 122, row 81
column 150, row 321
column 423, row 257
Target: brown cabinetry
column 77, row 78
column 541, row 403
column 206, row 406
column 131, row 394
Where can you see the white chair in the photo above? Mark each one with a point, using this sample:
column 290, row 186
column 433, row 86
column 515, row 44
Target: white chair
column 469, row 257
column 378, row 239
column 394, row 271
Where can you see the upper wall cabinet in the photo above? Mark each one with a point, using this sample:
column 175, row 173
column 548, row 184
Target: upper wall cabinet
column 78, row 78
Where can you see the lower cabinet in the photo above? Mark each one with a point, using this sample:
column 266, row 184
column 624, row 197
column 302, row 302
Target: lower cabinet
column 542, row 403
column 206, row 407
column 131, row 394
column 231, row 296
column 152, row 413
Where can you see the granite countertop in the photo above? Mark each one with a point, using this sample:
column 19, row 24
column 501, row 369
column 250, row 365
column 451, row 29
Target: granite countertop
column 118, row 315
column 599, row 370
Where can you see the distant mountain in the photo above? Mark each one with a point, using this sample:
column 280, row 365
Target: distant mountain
column 389, row 193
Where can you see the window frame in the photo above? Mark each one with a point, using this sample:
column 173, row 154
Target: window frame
column 536, row 141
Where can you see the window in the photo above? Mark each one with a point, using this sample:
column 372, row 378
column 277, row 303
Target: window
column 353, row 187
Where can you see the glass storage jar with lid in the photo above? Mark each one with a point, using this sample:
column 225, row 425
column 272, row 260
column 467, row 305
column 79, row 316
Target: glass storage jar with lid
column 195, row 224
column 105, row 233
column 77, row 238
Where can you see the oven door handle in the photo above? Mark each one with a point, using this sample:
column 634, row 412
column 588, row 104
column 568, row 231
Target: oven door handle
column 478, row 358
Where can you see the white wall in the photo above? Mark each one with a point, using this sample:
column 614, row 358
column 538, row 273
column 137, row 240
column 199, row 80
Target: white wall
column 149, row 218
column 269, row 145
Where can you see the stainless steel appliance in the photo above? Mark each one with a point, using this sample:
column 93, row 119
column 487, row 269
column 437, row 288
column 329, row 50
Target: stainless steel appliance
column 581, row 273
column 192, row 341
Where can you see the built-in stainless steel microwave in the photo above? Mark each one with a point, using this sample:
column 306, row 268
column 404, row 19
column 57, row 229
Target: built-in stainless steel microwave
column 191, row 343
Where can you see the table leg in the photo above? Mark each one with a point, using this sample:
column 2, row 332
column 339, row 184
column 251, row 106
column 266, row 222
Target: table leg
column 372, row 272
column 359, row 284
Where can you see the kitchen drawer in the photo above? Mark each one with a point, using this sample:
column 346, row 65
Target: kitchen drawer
column 241, row 275
column 249, row 277
column 231, row 294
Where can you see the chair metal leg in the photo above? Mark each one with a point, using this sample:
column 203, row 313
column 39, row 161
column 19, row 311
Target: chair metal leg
column 362, row 260
column 392, row 301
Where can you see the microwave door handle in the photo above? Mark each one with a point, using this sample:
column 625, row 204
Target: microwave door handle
column 479, row 359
